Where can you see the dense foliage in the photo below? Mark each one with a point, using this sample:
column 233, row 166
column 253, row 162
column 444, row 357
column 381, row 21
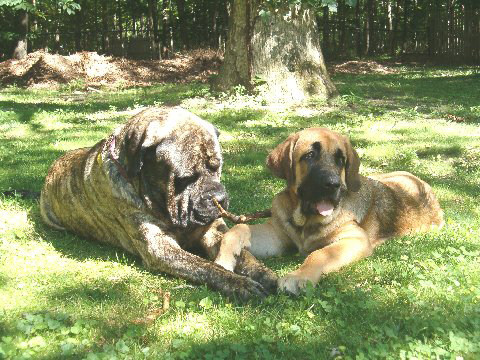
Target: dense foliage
column 156, row 28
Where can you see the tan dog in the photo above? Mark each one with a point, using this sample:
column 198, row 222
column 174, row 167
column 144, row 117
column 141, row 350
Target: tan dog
column 328, row 211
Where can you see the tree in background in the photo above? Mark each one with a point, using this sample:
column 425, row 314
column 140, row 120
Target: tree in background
column 440, row 29
column 277, row 45
column 21, row 9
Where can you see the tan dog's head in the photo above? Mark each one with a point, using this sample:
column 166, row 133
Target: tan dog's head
column 320, row 166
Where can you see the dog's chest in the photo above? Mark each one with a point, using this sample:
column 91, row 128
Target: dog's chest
column 311, row 236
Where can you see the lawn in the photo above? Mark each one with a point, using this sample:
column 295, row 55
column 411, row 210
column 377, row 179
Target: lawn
column 63, row 297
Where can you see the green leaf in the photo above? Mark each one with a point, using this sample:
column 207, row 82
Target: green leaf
column 75, row 329
column 121, row 346
column 67, row 348
column 176, row 343
column 37, row 341
column 180, row 304
column 206, row 303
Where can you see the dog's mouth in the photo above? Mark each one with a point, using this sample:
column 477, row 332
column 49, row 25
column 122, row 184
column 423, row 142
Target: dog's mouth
column 323, row 208
column 200, row 210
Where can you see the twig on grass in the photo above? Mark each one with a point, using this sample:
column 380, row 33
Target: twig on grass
column 241, row 219
column 156, row 312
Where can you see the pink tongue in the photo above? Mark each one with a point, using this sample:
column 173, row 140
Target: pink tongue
column 325, row 208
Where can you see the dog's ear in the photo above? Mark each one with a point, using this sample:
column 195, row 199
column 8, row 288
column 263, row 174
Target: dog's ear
column 352, row 166
column 139, row 137
column 280, row 160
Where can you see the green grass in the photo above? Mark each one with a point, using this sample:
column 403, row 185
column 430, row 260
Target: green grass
column 417, row 297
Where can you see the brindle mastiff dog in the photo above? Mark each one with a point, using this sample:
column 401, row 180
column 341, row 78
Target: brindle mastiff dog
column 148, row 188
column 328, row 211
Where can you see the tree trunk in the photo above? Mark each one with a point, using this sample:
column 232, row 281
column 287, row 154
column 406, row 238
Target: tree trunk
column 393, row 44
column 326, row 32
column 358, row 30
column 369, row 29
column 21, row 48
column 104, row 28
column 165, row 30
column 121, row 39
column 367, row 25
column 281, row 50
column 341, row 16
column 78, row 27
column 390, row 24
column 153, row 18
column 182, row 24
column 405, row 23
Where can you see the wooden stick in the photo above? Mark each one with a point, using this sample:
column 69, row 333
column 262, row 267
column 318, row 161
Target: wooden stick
column 241, row 219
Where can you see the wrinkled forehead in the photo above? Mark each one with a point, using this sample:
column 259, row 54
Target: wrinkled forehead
column 191, row 140
column 185, row 129
column 196, row 137
column 329, row 140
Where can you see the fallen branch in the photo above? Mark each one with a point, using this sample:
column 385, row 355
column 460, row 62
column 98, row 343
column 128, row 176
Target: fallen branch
column 241, row 219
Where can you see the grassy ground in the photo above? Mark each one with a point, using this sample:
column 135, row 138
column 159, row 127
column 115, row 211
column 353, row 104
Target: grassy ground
column 416, row 297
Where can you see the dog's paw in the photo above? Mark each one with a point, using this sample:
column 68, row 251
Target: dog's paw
column 242, row 288
column 293, row 283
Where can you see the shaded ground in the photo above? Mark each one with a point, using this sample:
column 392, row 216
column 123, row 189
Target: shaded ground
column 41, row 69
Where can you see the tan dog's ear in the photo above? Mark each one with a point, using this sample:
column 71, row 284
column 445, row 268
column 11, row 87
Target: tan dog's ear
column 352, row 177
column 280, row 160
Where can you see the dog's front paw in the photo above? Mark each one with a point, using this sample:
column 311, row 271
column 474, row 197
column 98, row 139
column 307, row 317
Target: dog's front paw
column 293, row 283
column 242, row 288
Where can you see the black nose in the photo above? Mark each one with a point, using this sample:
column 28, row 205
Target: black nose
column 332, row 182
column 215, row 190
column 221, row 197
column 318, row 184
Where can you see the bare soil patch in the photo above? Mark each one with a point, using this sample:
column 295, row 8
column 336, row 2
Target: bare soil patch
column 361, row 67
column 45, row 70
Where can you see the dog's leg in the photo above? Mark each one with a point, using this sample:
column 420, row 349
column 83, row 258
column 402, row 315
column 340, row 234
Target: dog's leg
column 351, row 243
column 249, row 265
column 261, row 241
column 160, row 252
column 212, row 239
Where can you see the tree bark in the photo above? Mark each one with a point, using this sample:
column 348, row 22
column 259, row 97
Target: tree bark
column 405, row 23
column 21, row 48
column 326, row 31
column 370, row 30
column 281, row 51
column 165, row 30
column 358, row 30
column 78, row 27
column 182, row 24
column 341, row 16
column 153, row 19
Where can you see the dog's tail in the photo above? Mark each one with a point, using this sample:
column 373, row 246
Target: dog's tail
column 22, row 193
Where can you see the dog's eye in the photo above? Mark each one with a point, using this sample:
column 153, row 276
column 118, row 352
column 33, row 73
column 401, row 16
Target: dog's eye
column 182, row 182
column 309, row 155
column 339, row 158
column 213, row 164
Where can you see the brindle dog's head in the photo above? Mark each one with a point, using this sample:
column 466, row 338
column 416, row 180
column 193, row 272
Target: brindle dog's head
column 176, row 158
column 320, row 166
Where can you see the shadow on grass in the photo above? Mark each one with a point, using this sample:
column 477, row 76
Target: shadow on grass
column 165, row 94
column 444, row 95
